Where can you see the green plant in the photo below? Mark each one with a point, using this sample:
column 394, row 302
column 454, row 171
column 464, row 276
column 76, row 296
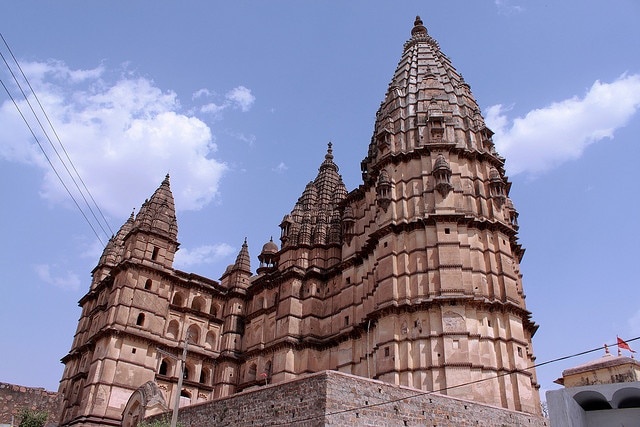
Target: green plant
column 32, row 418
column 163, row 422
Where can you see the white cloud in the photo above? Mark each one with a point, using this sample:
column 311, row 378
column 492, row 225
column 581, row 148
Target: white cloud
column 547, row 137
column 241, row 98
column 122, row 136
column 212, row 108
column 67, row 281
column 206, row 254
column 281, row 168
column 200, row 93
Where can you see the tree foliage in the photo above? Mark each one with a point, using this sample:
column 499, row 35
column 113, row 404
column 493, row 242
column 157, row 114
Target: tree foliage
column 32, row 418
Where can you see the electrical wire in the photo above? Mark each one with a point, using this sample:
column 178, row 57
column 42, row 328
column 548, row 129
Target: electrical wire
column 425, row 393
column 49, row 160
column 59, row 141
column 35, row 115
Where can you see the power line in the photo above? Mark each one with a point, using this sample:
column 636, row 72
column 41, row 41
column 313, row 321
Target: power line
column 49, row 160
column 58, row 139
column 425, row 393
column 64, row 164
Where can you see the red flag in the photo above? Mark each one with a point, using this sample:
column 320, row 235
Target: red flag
column 624, row 345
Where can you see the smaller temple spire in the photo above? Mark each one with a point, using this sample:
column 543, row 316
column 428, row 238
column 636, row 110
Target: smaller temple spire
column 158, row 213
column 243, row 261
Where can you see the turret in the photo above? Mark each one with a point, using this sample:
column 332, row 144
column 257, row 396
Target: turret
column 315, row 218
column 268, row 257
column 154, row 233
column 237, row 279
column 112, row 253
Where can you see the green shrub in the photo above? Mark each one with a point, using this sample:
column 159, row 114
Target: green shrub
column 32, row 418
column 164, row 422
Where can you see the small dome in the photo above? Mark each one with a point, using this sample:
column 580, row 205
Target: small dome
column 270, row 247
column 509, row 204
column 384, row 177
column 494, row 175
column 348, row 213
column 441, row 163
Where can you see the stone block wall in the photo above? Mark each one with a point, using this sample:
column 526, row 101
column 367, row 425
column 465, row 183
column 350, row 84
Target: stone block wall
column 331, row 398
column 13, row 398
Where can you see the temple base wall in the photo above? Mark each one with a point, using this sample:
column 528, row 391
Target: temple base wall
column 335, row 398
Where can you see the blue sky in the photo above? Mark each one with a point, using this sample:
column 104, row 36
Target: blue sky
column 237, row 101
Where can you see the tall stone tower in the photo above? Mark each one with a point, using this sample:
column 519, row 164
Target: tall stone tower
column 123, row 316
column 413, row 278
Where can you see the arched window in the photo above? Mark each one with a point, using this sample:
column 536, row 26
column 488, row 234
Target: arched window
column 173, row 329
column 205, row 376
column 140, row 319
column 214, row 309
column 185, row 373
column 165, row 367
column 210, row 341
column 251, row 374
column 147, row 284
column 194, row 334
column 154, row 254
column 178, row 299
column 197, row 303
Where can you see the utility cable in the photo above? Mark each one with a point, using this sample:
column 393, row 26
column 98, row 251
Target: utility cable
column 50, row 163
column 58, row 139
column 425, row 393
column 54, row 149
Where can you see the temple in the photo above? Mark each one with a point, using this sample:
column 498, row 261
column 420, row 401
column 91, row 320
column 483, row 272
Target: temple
column 413, row 278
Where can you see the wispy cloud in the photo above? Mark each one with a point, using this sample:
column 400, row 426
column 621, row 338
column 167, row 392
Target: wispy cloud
column 248, row 138
column 547, row 137
column 237, row 98
column 206, row 254
column 241, row 97
column 122, row 135
column 281, row 168
column 67, row 281
column 201, row 93
column 508, row 7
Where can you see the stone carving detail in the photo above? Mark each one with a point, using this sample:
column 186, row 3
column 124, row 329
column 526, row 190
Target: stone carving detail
column 442, row 175
column 496, row 185
column 384, row 190
column 452, row 322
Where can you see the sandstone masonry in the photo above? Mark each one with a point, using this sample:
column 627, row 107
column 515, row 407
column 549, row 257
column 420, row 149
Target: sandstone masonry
column 13, row 398
column 412, row 278
column 332, row 398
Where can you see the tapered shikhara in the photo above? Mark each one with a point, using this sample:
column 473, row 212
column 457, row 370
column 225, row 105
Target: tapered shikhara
column 412, row 278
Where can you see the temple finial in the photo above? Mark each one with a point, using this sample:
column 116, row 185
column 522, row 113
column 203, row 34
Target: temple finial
column 418, row 28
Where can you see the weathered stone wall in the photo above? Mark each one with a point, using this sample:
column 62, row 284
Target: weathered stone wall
column 13, row 398
column 334, row 398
